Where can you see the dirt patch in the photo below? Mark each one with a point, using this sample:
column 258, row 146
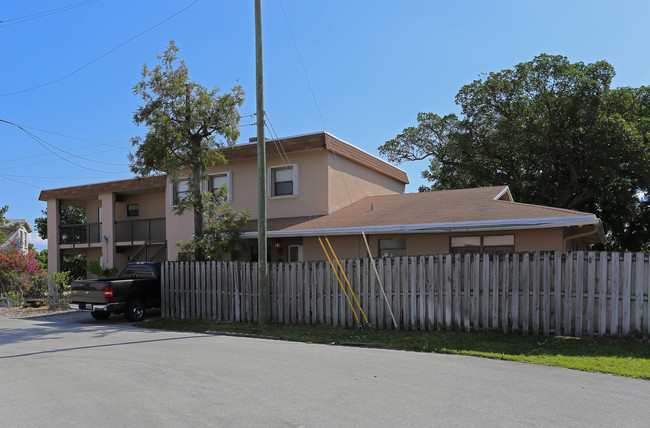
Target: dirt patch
column 20, row 312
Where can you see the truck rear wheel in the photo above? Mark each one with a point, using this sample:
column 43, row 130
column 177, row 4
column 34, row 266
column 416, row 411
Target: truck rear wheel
column 134, row 311
column 100, row 315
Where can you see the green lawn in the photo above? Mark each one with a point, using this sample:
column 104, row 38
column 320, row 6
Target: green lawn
column 618, row 357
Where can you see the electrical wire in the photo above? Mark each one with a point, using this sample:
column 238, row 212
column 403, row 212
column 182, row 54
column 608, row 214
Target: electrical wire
column 102, row 55
column 30, row 17
column 45, row 145
column 49, row 161
column 336, row 160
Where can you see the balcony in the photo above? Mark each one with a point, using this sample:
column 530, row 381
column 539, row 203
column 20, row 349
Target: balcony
column 152, row 229
column 80, row 234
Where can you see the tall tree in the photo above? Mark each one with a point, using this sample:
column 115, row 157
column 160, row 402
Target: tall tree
column 555, row 132
column 187, row 125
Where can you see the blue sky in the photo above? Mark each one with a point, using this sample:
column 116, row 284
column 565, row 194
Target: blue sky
column 373, row 65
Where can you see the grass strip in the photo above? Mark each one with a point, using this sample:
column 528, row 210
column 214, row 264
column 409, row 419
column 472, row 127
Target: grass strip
column 630, row 358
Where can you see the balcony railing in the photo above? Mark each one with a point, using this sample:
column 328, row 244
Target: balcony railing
column 152, row 229
column 75, row 234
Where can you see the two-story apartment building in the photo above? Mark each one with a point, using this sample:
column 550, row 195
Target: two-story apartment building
column 317, row 185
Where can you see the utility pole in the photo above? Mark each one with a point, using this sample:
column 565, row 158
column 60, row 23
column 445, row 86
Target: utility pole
column 262, row 270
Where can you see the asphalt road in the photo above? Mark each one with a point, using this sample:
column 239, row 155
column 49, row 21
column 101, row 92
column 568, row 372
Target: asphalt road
column 67, row 370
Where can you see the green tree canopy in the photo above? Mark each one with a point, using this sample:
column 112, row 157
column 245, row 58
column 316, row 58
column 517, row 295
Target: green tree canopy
column 555, row 132
column 187, row 125
column 68, row 215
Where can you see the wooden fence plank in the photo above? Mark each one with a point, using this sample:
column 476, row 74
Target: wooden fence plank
column 440, row 295
column 448, row 284
column 476, row 290
column 615, row 299
column 494, row 292
column 505, row 291
column 431, row 303
column 557, row 283
column 546, row 296
column 516, row 295
column 579, row 287
column 646, row 299
column 568, row 294
column 536, row 287
column 485, row 293
column 525, row 294
column 466, row 292
column 602, row 293
column 382, row 308
column 422, row 292
column 591, row 293
column 626, row 293
column 456, row 286
column 637, row 309
column 413, row 308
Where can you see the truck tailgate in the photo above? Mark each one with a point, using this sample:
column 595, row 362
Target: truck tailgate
column 88, row 291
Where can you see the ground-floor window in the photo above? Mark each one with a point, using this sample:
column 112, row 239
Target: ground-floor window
column 483, row 244
column 392, row 247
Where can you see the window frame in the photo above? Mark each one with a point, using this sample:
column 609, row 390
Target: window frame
column 381, row 250
column 271, row 181
column 227, row 174
column 492, row 249
column 174, row 192
column 137, row 210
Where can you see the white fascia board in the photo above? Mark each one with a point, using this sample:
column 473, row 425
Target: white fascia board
column 368, row 153
column 505, row 190
column 464, row 226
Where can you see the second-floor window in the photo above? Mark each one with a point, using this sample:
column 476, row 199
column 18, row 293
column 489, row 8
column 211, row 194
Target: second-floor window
column 220, row 179
column 179, row 191
column 283, row 180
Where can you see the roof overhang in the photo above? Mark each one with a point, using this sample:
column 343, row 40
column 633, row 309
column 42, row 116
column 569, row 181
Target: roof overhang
column 468, row 226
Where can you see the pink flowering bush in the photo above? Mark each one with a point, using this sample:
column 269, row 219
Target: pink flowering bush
column 21, row 274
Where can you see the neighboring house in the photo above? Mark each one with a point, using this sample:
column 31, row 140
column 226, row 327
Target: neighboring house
column 346, row 189
column 17, row 230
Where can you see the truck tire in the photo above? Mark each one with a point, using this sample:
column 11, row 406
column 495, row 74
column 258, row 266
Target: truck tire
column 134, row 311
column 100, row 315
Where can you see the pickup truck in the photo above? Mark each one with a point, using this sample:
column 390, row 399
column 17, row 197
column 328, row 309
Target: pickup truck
column 134, row 290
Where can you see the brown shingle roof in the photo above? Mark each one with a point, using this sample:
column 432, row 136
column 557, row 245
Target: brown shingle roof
column 82, row 191
column 440, row 210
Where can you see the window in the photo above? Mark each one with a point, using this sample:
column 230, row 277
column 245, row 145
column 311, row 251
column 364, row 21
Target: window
column 483, row 244
column 295, row 253
column 499, row 244
column 221, row 179
column 283, row 181
column 392, row 247
column 179, row 191
column 132, row 210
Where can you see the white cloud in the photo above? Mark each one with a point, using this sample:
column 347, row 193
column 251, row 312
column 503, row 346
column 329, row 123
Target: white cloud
column 37, row 241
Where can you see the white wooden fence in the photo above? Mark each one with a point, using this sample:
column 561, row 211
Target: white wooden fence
column 577, row 294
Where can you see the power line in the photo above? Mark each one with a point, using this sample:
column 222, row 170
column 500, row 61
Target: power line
column 50, row 161
column 18, row 181
column 102, row 55
column 45, row 145
column 37, row 15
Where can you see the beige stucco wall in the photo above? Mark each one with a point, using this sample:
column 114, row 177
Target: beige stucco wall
column 312, row 173
column 430, row 243
column 360, row 182
column 151, row 205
